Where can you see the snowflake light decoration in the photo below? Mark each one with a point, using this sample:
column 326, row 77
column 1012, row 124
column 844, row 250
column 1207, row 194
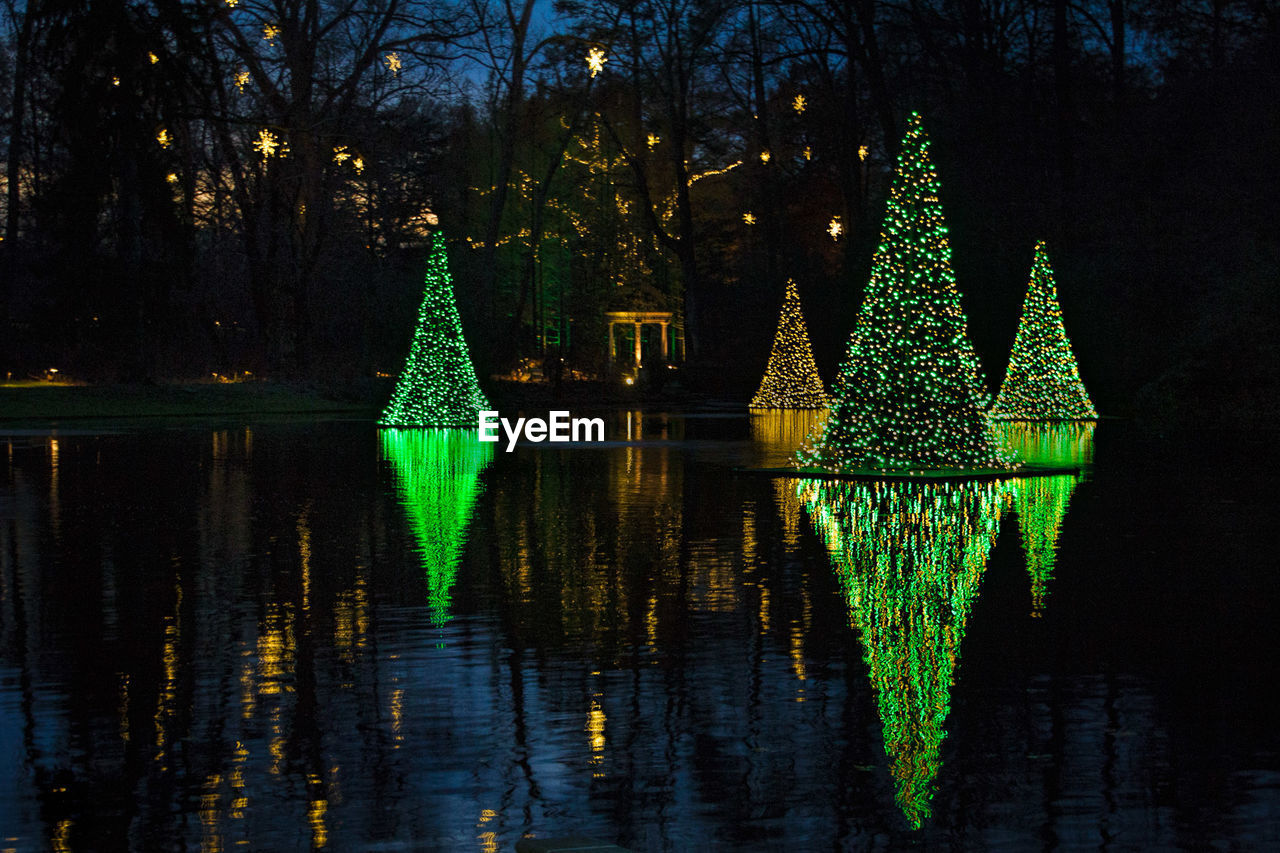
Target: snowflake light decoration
column 267, row 143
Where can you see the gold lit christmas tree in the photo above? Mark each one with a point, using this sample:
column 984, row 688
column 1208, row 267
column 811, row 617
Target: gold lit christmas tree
column 791, row 380
column 1043, row 381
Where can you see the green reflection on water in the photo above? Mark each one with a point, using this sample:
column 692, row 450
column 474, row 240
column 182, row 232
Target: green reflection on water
column 1068, row 443
column 909, row 557
column 437, row 475
column 1041, row 502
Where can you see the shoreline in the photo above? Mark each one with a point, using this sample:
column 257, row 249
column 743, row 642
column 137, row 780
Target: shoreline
column 30, row 404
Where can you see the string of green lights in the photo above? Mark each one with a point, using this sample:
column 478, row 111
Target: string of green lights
column 438, row 386
column 910, row 394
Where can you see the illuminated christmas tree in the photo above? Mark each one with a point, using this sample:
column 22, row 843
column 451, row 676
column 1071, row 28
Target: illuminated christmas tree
column 438, row 385
column 437, row 474
column 791, row 379
column 909, row 557
column 1043, row 381
column 910, row 395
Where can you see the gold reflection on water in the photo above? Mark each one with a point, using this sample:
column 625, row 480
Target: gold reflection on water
column 315, row 817
column 714, row 579
column 397, row 715
column 351, row 618
column 797, row 652
column 573, row 547
column 275, row 652
column 784, row 492
column 170, row 661
column 782, row 431
column 488, row 839
column 651, row 622
column 61, row 840
column 276, row 748
column 595, row 736
column 248, row 693
column 240, row 800
column 304, row 555
column 211, row 838
column 909, row 557
column 55, row 508
column 749, row 536
column 763, row 615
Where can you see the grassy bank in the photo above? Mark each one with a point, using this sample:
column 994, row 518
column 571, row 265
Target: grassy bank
column 44, row 402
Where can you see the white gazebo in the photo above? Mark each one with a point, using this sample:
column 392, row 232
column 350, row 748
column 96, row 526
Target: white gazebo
column 638, row 319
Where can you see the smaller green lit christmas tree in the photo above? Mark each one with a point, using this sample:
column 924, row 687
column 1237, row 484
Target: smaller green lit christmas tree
column 1043, row 381
column 791, row 380
column 438, row 386
column 910, row 395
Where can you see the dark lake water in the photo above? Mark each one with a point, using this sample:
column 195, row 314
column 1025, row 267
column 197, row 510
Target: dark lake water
column 290, row 636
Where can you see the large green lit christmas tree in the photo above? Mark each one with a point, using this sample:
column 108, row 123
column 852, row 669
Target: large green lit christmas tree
column 438, row 385
column 910, row 557
column 910, row 395
column 791, row 379
column 437, row 473
column 1043, row 381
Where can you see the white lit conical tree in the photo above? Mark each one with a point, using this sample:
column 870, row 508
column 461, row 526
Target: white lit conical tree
column 791, row 379
column 438, row 385
column 910, row 394
column 1043, row 381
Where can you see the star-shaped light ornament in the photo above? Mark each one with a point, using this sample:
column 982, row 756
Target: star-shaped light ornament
column 596, row 60
column 267, row 143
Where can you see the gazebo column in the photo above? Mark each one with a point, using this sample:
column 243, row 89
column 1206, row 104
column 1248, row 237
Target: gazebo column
column 666, row 351
column 638, row 328
column 611, row 345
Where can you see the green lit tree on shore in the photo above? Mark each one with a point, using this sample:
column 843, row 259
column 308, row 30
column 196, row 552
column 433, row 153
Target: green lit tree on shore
column 438, row 386
column 909, row 557
column 1042, row 381
column 791, row 379
column 909, row 395
column 437, row 474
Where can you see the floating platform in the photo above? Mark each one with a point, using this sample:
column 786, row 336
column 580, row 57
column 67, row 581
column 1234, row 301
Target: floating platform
column 1026, row 469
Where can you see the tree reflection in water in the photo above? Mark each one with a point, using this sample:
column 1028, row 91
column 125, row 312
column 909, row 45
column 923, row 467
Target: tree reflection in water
column 437, row 474
column 1041, row 502
column 909, row 557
